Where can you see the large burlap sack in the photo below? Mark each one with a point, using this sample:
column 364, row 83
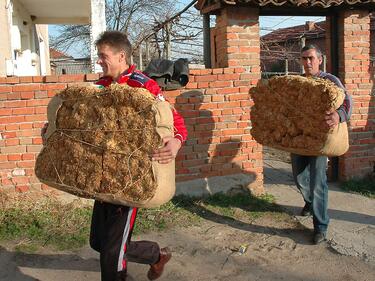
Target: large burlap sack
column 98, row 145
column 289, row 111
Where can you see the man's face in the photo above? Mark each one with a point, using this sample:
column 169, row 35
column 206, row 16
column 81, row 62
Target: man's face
column 112, row 61
column 310, row 62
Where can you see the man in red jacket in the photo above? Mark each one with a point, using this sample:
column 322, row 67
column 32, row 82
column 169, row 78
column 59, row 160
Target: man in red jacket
column 112, row 225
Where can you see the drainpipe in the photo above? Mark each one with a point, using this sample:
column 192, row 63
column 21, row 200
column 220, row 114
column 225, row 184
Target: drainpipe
column 206, row 41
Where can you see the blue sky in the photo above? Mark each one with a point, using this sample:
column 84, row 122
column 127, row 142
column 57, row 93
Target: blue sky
column 267, row 24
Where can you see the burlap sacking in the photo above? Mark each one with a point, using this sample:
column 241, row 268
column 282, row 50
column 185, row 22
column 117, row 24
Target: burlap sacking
column 99, row 142
column 289, row 112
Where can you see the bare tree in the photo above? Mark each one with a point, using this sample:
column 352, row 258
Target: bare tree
column 133, row 17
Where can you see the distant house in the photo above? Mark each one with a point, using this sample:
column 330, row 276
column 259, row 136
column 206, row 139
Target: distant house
column 24, row 46
column 64, row 64
column 280, row 48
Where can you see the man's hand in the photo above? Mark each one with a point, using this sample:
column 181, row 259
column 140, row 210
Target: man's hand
column 332, row 118
column 43, row 133
column 168, row 152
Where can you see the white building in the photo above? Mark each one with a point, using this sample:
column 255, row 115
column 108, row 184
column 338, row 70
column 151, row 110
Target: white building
column 24, row 47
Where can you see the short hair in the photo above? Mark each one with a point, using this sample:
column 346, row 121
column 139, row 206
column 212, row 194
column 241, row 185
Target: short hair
column 319, row 53
column 117, row 40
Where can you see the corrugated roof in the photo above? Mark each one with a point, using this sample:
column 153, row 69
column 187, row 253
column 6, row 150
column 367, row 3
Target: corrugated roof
column 297, row 3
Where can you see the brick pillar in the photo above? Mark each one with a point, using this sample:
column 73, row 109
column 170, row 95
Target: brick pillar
column 355, row 73
column 237, row 41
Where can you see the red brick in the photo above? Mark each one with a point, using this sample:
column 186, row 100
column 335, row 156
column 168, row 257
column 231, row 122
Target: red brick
column 12, row 142
column 12, row 127
column 51, row 79
column 33, row 148
column 27, row 95
column 221, row 84
column 92, row 77
column 7, row 165
column 5, row 111
column 41, row 110
column 36, row 117
column 26, row 79
column 14, row 119
column 217, row 71
column 26, row 126
column 12, row 104
column 41, row 94
column 38, row 79
column 72, row 78
column 54, row 86
column 25, row 87
column 38, row 102
column 191, row 85
column 25, row 164
column 23, row 111
column 12, row 80
column 14, row 157
column 206, row 78
column 224, row 91
column 28, row 156
column 37, row 141
column 5, row 89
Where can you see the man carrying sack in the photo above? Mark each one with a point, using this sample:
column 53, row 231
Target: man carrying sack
column 112, row 225
column 309, row 172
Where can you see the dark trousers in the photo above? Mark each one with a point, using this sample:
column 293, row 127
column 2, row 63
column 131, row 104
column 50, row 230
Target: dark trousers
column 111, row 230
column 309, row 173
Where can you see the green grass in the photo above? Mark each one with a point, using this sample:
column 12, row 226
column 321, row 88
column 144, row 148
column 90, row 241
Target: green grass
column 365, row 187
column 48, row 222
column 33, row 223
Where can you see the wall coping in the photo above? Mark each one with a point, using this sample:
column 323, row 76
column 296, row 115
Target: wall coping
column 95, row 76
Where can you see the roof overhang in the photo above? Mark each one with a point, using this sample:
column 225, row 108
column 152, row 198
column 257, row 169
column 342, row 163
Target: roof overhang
column 58, row 11
column 276, row 7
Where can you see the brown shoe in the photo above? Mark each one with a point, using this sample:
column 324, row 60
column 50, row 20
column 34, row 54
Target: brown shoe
column 156, row 270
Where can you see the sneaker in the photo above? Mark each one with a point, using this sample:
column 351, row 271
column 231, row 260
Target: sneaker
column 306, row 211
column 319, row 237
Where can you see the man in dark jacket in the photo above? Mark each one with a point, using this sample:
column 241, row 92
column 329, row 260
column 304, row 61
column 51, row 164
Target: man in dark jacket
column 309, row 172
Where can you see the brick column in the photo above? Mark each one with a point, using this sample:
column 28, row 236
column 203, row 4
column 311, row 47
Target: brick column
column 355, row 73
column 237, row 41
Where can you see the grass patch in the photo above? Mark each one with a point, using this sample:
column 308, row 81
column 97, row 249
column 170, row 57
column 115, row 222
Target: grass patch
column 44, row 222
column 39, row 222
column 365, row 187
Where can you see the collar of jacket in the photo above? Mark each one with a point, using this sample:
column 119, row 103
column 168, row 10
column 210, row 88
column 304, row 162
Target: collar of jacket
column 123, row 78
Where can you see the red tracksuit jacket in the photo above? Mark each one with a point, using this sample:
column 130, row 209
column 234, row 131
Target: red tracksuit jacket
column 137, row 79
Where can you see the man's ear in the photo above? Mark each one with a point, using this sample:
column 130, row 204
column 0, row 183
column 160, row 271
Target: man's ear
column 122, row 56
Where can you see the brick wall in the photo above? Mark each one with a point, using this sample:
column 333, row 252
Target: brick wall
column 215, row 105
column 356, row 73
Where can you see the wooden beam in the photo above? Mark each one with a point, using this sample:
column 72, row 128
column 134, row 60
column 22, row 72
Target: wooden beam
column 67, row 20
column 211, row 9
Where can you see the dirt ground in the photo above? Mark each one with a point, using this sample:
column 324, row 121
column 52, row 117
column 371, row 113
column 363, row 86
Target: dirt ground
column 277, row 248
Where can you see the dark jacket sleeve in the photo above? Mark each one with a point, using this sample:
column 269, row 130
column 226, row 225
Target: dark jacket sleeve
column 345, row 110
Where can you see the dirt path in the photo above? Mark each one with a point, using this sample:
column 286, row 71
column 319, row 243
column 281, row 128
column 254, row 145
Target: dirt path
column 277, row 250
